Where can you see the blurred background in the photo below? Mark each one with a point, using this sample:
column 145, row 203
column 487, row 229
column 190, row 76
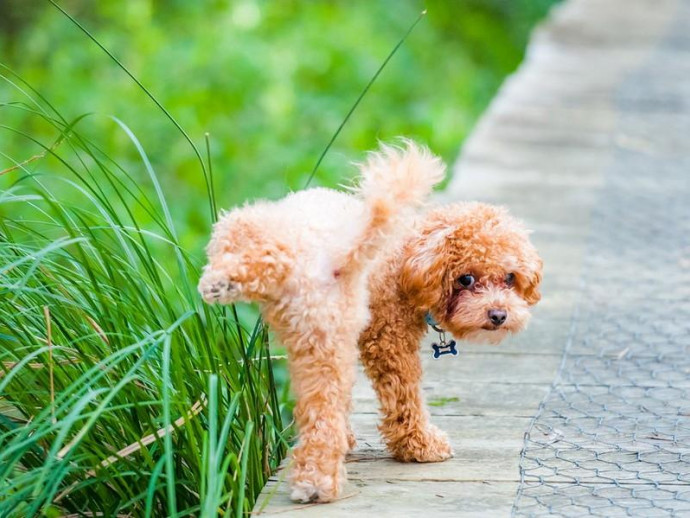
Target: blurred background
column 270, row 81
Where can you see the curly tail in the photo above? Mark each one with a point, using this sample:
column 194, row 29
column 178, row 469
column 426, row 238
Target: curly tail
column 394, row 181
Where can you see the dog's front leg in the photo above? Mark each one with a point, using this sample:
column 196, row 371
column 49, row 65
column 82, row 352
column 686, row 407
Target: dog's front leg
column 320, row 366
column 391, row 360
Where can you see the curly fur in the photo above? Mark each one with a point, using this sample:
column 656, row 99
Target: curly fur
column 422, row 275
column 306, row 259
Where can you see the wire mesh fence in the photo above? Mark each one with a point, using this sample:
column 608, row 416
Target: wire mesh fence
column 612, row 438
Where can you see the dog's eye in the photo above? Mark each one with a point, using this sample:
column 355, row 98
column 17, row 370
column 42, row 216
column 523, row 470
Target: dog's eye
column 465, row 281
column 510, row 279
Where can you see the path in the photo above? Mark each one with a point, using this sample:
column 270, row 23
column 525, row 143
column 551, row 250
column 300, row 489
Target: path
column 589, row 142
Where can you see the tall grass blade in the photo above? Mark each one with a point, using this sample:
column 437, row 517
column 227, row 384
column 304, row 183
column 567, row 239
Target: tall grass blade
column 150, row 96
column 361, row 96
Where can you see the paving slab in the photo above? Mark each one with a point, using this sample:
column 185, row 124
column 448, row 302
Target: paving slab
column 467, row 398
column 404, row 500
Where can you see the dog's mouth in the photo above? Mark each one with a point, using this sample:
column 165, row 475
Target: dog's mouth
column 491, row 327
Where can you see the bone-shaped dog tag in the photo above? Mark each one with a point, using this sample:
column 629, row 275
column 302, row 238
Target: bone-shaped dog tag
column 444, row 348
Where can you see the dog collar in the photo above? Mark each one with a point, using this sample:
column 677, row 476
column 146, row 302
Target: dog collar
column 431, row 322
column 443, row 346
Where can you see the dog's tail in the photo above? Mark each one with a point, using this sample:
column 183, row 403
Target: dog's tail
column 394, row 181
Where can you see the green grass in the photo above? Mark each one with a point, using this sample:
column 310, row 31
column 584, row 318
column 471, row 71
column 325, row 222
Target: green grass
column 442, row 401
column 120, row 392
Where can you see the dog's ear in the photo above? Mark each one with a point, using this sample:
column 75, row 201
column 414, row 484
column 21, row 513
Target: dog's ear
column 422, row 273
column 531, row 292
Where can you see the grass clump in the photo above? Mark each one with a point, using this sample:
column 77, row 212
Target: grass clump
column 120, row 392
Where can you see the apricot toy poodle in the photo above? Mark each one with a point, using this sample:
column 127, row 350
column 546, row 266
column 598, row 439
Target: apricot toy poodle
column 306, row 260
column 332, row 271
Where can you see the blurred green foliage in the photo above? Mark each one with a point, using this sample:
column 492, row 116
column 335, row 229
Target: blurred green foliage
column 270, row 81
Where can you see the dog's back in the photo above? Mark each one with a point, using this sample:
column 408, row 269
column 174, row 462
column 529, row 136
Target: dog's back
column 319, row 234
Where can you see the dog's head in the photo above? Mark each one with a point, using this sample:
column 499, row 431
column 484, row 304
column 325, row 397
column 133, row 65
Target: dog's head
column 473, row 267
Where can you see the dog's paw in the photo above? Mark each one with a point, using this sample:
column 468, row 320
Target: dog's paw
column 215, row 293
column 312, row 486
column 216, row 290
column 427, row 445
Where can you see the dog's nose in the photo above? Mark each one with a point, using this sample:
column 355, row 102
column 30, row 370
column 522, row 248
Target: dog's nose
column 498, row 316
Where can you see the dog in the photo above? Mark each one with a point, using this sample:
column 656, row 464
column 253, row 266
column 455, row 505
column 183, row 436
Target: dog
column 469, row 268
column 306, row 260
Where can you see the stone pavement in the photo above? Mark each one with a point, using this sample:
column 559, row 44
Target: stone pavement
column 587, row 412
